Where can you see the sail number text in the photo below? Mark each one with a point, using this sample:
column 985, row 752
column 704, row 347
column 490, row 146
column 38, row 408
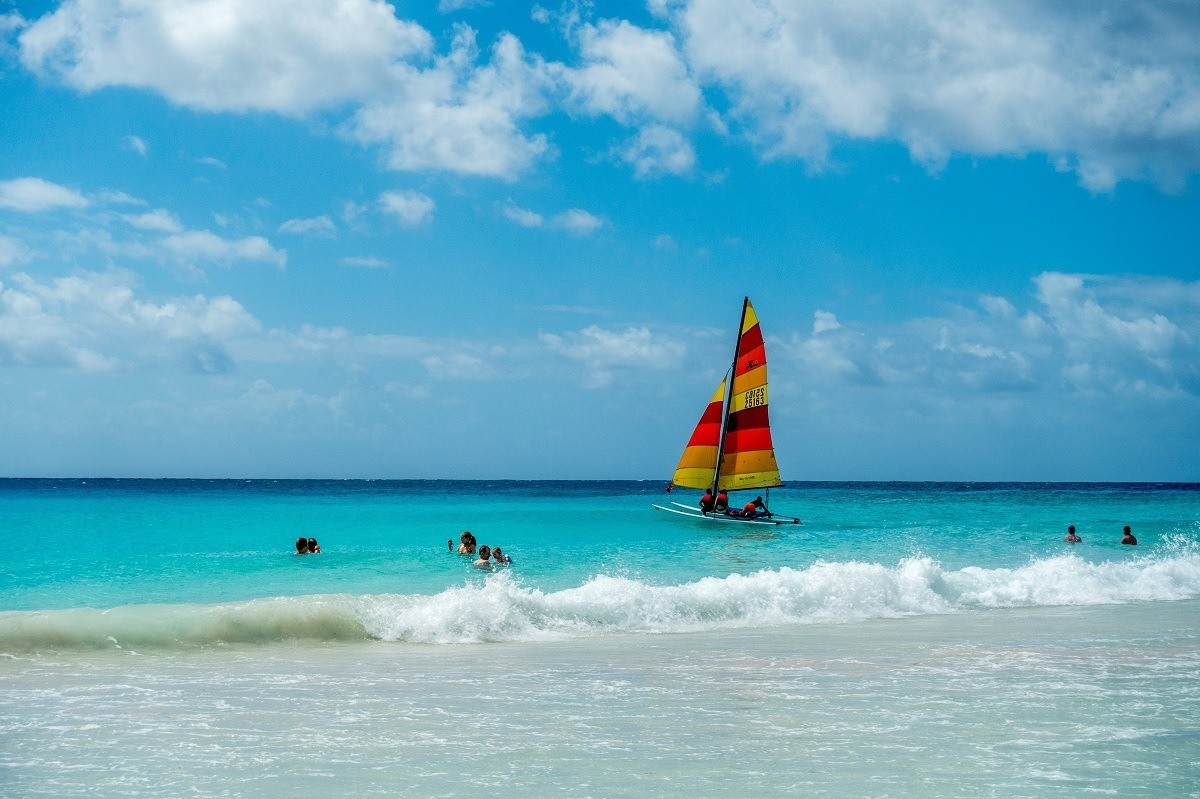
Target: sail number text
column 756, row 397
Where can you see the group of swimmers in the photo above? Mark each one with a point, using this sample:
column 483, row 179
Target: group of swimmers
column 1072, row 538
column 720, row 504
column 307, row 546
column 488, row 558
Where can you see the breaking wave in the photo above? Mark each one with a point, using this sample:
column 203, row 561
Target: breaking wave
column 503, row 609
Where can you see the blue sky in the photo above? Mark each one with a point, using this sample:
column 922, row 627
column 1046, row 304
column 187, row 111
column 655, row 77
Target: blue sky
column 342, row 238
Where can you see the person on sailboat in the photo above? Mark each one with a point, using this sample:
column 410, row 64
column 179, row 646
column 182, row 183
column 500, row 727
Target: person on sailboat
column 707, row 502
column 755, row 508
column 722, row 505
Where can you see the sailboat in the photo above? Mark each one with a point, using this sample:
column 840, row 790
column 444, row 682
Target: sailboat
column 731, row 446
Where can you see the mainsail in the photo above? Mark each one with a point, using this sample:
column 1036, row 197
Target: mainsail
column 734, row 428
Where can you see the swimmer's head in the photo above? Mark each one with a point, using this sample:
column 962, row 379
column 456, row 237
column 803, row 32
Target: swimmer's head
column 1071, row 529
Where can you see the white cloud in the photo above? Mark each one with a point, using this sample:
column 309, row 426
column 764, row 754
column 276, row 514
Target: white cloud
column 159, row 219
column 137, row 144
column 365, row 262
column 94, row 322
column 119, row 198
column 450, row 6
column 410, row 208
column 288, row 56
column 316, row 226
column 605, row 353
column 201, row 246
column 657, row 150
column 457, row 366
column 215, row 163
column 35, row 194
column 664, row 241
column 523, row 217
column 631, row 73
column 460, row 117
column 1080, row 333
column 11, row 251
column 1109, row 95
column 578, row 222
column 824, row 320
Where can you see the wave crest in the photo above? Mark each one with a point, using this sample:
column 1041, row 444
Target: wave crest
column 502, row 609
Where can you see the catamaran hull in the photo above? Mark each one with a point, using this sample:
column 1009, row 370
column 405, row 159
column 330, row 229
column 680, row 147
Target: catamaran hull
column 694, row 513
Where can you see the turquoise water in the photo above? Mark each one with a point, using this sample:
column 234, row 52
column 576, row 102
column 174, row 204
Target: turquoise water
column 158, row 638
column 103, row 543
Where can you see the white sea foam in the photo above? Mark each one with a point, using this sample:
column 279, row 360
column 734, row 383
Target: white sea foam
column 503, row 609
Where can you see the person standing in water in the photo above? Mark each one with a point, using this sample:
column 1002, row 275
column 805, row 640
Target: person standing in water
column 484, row 562
column 1070, row 537
column 1129, row 540
column 467, row 547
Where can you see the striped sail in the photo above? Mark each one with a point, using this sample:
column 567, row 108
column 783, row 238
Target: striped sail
column 748, row 457
column 699, row 459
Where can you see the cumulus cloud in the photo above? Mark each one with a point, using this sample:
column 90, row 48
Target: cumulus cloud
column 575, row 221
column 159, row 220
column 365, row 262
column 1108, row 93
column 93, row 322
column 523, row 217
column 579, row 222
column 316, row 226
column 658, row 150
column 287, row 56
column 410, row 208
column 11, row 251
column 1077, row 333
column 459, row 116
column 137, row 144
column 202, row 246
column 606, row 353
column 632, row 73
column 34, row 194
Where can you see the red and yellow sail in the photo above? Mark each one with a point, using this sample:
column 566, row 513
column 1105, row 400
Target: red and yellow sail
column 699, row 459
column 746, row 452
column 748, row 457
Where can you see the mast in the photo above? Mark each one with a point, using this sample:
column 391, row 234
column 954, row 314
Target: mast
column 729, row 397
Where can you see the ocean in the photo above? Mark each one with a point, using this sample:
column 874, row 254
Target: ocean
column 159, row 638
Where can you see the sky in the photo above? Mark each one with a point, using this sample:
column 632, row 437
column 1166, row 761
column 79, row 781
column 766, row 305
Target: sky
column 470, row 239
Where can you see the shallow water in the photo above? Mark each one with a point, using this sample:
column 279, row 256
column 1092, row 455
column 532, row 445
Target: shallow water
column 906, row 640
column 1024, row 703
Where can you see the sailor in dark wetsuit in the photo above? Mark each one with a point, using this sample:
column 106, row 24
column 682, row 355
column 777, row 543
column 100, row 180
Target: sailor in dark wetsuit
column 707, row 502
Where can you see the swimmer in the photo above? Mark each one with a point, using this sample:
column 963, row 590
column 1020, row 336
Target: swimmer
column 467, row 547
column 449, row 544
column 500, row 558
column 1070, row 537
column 313, row 547
column 1129, row 539
column 301, row 546
column 485, row 552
